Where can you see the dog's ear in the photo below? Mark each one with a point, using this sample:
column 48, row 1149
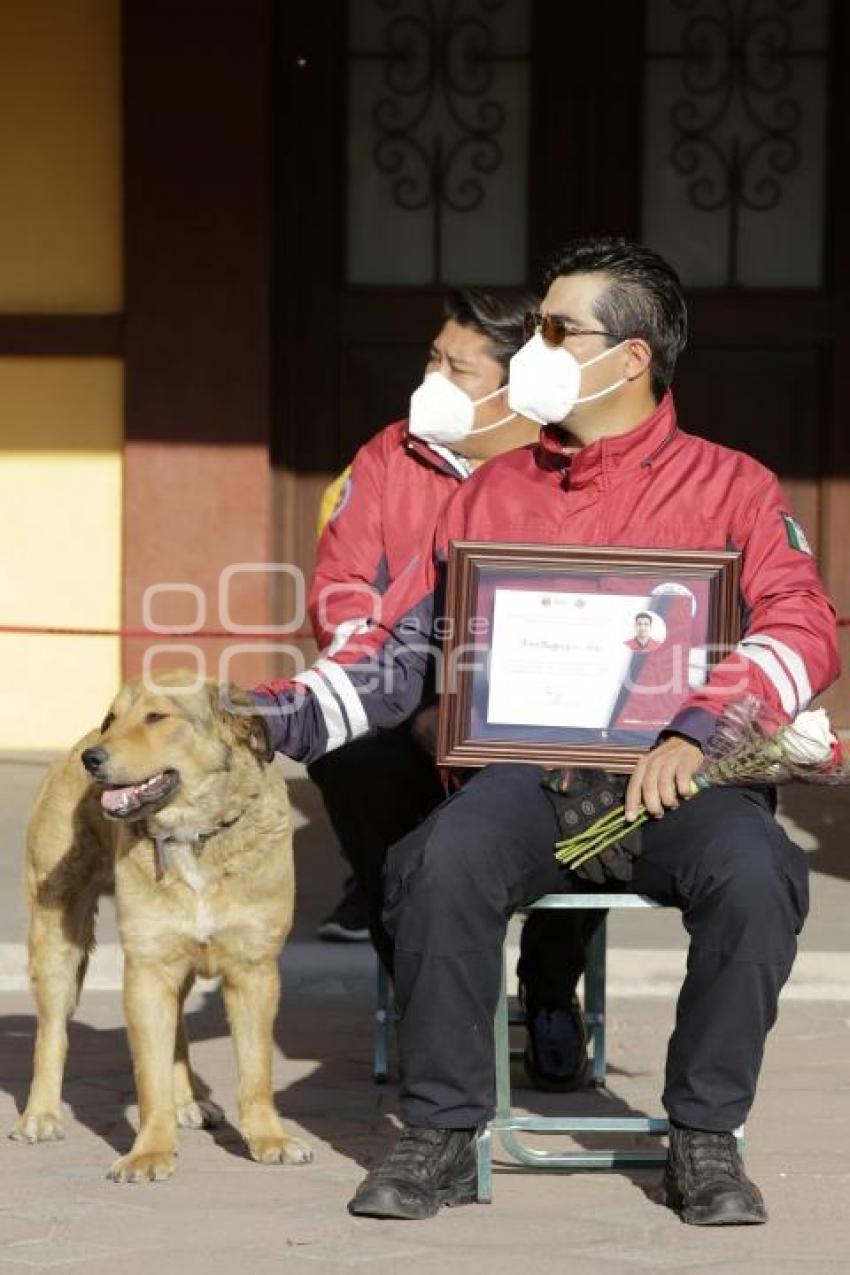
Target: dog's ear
column 240, row 712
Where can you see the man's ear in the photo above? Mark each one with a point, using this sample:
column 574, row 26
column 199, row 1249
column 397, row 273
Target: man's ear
column 640, row 358
column 241, row 714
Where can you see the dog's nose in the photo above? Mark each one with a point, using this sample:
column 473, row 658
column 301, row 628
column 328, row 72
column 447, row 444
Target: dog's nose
column 94, row 758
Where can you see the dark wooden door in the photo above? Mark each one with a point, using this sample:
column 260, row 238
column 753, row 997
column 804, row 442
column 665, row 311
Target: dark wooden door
column 696, row 126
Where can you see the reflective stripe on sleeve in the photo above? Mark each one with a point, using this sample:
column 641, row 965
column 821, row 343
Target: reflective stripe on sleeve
column 335, row 721
column 792, row 662
column 774, row 672
column 349, row 698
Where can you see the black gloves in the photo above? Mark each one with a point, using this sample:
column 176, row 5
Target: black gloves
column 579, row 798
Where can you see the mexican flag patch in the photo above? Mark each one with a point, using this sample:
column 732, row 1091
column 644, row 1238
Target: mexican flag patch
column 796, row 535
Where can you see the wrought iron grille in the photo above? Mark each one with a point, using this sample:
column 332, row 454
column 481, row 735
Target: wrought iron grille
column 737, row 119
column 437, row 120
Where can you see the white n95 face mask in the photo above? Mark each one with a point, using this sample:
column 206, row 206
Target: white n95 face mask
column 441, row 413
column 544, row 380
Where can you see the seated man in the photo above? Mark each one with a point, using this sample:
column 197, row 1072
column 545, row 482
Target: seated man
column 380, row 787
column 741, row 884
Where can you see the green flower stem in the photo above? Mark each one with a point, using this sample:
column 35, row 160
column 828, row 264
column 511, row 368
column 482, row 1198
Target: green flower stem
column 576, row 862
column 569, row 852
column 613, row 819
column 576, row 847
column 588, row 837
column 601, row 843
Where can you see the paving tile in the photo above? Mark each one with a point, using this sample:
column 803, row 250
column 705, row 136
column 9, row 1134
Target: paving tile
column 16, row 1228
column 49, row 1253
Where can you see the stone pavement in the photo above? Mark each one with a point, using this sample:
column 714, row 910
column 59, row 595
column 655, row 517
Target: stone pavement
column 221, row 1210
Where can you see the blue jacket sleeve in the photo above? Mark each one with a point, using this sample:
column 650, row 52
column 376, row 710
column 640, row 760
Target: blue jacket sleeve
column 374, row 682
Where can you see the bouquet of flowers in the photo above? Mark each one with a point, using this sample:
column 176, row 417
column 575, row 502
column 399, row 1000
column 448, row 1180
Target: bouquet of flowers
column 750, row 746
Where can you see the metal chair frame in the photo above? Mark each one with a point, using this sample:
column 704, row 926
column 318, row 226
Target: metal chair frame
column 385, row 1016
column 508, row 1127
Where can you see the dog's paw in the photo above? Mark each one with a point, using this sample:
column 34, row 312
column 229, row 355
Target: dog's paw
column 278, row 1149
column 201, row 1114
column 152, row 1166
column 34, row 1126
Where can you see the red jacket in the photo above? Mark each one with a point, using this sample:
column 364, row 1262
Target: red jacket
column 386, row 511
column 655, row 487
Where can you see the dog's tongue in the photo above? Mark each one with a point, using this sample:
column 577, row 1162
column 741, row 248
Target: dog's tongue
column 116, row 801
column 122, row 801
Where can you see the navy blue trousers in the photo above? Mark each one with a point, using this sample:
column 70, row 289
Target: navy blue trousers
column 452, row 884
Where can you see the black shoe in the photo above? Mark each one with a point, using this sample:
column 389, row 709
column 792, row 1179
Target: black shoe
column 556, row 1046
column 349, row 921
column 425, row 1169
column 705, row 1182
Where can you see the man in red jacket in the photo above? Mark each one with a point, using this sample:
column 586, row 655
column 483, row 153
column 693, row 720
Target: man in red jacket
column 599, row 364
column 386, row 512
column 381, row 786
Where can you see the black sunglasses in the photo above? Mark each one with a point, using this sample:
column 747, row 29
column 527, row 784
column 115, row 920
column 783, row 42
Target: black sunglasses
column 555, row 329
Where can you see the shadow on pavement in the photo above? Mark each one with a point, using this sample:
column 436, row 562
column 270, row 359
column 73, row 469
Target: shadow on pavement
column 823, row 814
column 99, row 1087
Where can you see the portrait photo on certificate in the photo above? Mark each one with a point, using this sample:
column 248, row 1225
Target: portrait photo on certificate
column 577, row 654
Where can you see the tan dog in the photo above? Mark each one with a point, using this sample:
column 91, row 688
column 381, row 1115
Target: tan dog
column 174, row 806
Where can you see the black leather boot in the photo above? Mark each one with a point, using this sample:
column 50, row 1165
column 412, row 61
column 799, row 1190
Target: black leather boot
column 425, row 1169
column 556, row 1046
column 705, row 1181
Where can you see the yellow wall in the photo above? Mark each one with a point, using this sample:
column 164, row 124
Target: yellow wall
column 60, row 156
column 61, row 419
column 60, row 493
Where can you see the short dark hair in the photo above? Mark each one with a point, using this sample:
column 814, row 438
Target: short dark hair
column 500, row 319
column 643, row 615
column 644, row 299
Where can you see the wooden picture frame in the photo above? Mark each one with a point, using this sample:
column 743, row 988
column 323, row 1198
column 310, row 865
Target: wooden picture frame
column 543, row 632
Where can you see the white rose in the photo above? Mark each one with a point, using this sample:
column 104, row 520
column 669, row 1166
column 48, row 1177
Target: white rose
column 808, row 740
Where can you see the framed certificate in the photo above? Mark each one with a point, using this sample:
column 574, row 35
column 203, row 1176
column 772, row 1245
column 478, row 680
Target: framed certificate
column 576, row 655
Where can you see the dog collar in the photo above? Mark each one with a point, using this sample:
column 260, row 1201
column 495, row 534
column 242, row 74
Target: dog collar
column 163, row 853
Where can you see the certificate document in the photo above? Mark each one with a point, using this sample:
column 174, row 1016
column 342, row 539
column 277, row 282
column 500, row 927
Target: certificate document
column 559, row 659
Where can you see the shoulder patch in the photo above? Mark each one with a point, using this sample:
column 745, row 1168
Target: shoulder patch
column 334, row 499
column 342, row 499
column 796, row 535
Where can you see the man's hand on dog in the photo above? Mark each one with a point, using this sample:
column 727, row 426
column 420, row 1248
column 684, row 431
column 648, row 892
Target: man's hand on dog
column 662, row 779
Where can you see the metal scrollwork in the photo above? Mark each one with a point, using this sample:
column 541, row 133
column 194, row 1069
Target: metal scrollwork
column 438, row 129
column 736, row 130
